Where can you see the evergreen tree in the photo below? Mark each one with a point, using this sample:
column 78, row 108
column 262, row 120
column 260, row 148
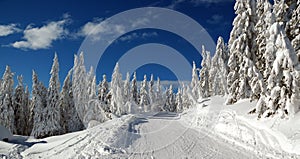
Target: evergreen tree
column 134, row 90
column 205, row 85
column 283, row 81
column 293, row 29
column 178, row 101
column 127, row 87
column 151, row 90
column 170, row 100
column 117, row 98
column 218, row 71
column 242, row 52
column 195, row 82
column 144, row 99
column 19, row 106
column 38, row 108
column 53, row 108
column 70, row 121
column 6, row 103
column 27, row 108
column 79, row 86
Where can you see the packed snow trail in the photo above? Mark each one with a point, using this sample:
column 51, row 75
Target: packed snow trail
column 165, row 136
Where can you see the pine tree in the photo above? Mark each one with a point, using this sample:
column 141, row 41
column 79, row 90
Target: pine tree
column 53, row 110
column 242, row 52
column 283, row 81
column 27, row 108
column 144, row 99
column 6, row 103
column 79, row 86
column 19, row 106
column 159, row 98
column 218, row 71
column 134, row 90
column 205, row 85
column 38, row 106
column 117, row 98
column 70, row 121
column 170, row 100
column 178, row 101
column 127, row 88
column 293, row 29
column 262, row 26
column 195, row 82
column 151, row 90
column 103, row 94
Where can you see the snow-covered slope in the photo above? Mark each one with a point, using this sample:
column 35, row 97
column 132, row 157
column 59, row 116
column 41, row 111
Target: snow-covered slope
column 208, row 130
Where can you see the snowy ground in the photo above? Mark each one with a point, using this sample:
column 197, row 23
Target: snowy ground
column 209, row 130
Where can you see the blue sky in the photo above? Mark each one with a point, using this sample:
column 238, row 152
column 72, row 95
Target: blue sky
column 32, row 31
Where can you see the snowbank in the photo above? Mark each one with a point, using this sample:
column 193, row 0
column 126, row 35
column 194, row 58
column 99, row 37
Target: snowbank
column 5, row 134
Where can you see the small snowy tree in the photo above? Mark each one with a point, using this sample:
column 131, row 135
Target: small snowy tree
column 134, row 89
column 204, row 82
column 127, row 87
column 178, row 101
column 170, row 100
column 218, row 71
column 195, row 82
column 116, row 92
column 159, row 98
column 144, row 99
column 103, row 94
column 151, row 90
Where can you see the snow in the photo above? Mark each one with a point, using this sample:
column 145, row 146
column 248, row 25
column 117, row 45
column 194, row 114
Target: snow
column 5, row 133
column 208, row 129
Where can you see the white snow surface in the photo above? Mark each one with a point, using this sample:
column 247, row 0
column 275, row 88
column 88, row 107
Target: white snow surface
column 210, row 129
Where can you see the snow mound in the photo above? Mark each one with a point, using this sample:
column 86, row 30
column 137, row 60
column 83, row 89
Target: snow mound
column 5, row 134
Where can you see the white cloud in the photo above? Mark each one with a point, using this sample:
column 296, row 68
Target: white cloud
column 215, row 19
column 8, row 29
column 42, row 37
column 175, row 3
column 96, row 28
column 133, row 36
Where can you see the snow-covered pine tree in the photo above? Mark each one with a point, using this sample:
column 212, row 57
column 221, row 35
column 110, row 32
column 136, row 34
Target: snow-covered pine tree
column 38, row 108
column 186, row 101
column 242, row 51
column 195, row 82
column 134, row 89
column 6, row 103
column 218, row 71
column 283, row 81
column 159, row 98
column 178, row 101
column 70, row 120
column 103, row 94
column 20, row 107
column 204, row 83
column 151, row 90
column 116, row 92
column 170, row 100
column 127, row 88
column 27, row 104
column 53, row 110
column 144, row 97
column 79, row 86
column 263, row 12
column 293, row 29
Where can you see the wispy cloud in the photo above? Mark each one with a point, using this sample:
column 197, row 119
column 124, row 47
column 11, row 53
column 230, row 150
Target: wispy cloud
column 176, row 3
column 8, row 29
column 215, row 19
column 42, row 37
column 97, row 27
column 133, row 36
